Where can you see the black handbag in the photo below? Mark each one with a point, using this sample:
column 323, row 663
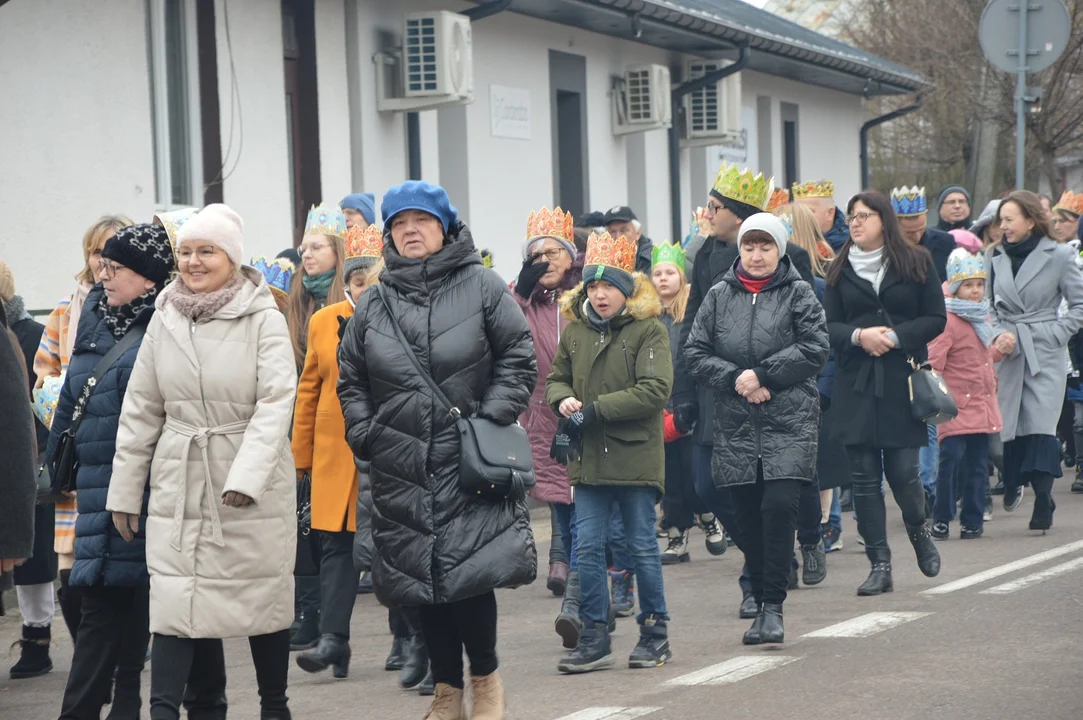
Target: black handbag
column 930, row 400
column 494, row 460
column 304, row 504
column 63, row 465
column 46, row 494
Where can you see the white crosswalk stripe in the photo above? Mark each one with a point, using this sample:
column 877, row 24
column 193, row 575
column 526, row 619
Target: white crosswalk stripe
column 733, row 670
column 1025, row 582
column 611, row 713
column 867, row 625
column 993, row 573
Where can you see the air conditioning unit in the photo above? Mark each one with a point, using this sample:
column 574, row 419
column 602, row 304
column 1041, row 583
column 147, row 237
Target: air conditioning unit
column 436, row 64
column 642, row 100
column 712, row 114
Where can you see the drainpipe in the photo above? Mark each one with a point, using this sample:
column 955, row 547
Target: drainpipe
column 675, row 134
column 873, row 123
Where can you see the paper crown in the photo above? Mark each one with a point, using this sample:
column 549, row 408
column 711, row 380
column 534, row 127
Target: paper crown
column 172, row 222
column 1071, row 203
column 814, row 189
column 620, row 253
column 326, row 219
column 909, row 201
column 668, row 253
column 277, row 272
column 964, row 265
column 779, row 198
column 787, row 222
column 551, row 223
column 46, row 398
column 742, row 186
column 487, row 259
column 367, row 243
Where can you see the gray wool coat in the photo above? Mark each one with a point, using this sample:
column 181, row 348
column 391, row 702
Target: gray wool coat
column 1032, row 379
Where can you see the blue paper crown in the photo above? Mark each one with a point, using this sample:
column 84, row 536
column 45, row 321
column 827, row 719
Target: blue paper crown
column 277, row 272
column 909, row 201
column 326, row 219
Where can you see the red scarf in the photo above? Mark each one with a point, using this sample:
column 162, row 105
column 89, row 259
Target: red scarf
column 753, row 285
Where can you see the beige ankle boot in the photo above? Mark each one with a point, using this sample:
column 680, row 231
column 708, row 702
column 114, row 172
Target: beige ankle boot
column 447, row 704
column 488, row 698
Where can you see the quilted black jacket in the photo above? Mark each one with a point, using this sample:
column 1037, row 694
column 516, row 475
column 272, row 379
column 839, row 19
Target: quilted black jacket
column 434, row 543
column 781, row 334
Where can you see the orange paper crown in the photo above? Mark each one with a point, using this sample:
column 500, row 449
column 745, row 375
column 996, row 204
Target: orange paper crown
column 1070, row 202
column 602, row 249
column 551, row 223
column 367, row 243
column 780, row 197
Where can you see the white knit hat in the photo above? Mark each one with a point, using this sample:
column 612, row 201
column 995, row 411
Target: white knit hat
column 219, row 225
column 769, row 224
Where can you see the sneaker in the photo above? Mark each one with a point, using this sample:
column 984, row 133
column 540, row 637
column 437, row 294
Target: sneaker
column 677, row 550
column 940, row 530
column 970, row 533
column 594, row 652
column 729, row 540
column 1077, row 486
column 832, row 540
column 652, row 650
column 715, row 539
column 1013, row 497
column 988, row 514
column 622, row 592
column 998, row 489
column 814, row 562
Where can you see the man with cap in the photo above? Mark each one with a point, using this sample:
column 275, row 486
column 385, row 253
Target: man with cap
column 819, row 197
column 912, row 209
column 953, row 208
column 621, row 220
column 359, row 209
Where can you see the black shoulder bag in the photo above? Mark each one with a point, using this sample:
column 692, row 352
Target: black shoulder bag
column 63, row 466
column 930, row 400
column 494, row 460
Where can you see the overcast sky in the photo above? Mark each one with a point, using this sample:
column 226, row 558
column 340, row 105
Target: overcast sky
column 757, row 3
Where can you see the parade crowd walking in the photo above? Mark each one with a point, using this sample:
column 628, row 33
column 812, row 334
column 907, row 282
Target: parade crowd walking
column 203, row 445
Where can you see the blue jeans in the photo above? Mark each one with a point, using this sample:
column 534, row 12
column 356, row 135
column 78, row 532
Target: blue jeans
column 928, row 462
column 964, row 472
column 616, row 545
column 566, row 527
column 593, row 512
column 834, row 519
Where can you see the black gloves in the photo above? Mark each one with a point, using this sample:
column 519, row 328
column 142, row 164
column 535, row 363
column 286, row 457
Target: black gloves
column 342, row 323
column 568, row 442
column 561, row 449
column 684, row 418
column 529, row 276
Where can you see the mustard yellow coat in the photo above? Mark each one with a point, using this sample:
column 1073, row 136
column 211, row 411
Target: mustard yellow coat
column 319, row 430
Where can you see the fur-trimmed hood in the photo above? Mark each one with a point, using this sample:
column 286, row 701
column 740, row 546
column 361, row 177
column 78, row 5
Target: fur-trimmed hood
column 643, row 304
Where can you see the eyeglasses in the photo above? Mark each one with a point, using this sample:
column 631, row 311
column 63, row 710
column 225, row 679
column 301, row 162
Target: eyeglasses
column 712, row 208
column 860, row 218
column 313, row 247
column 184, row 254
column 960, row 201
column 552, row 254
column 108, row 269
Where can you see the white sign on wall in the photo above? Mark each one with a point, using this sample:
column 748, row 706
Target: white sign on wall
column 509, row 110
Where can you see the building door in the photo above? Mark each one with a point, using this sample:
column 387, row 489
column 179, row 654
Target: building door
column 302, row 112
column 571, row 165
column 790, row 150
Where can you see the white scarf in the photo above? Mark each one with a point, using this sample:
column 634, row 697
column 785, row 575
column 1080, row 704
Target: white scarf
column 869, row 265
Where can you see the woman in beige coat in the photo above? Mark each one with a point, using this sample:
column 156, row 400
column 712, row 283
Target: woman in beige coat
column 207, row 415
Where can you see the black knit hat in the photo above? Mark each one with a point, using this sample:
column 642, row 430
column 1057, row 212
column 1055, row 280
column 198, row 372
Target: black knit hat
column 143, row 248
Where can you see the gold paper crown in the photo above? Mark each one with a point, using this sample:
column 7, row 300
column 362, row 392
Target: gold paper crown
column 367, row 243
column 742, row 186
column 779, row 198
column 1071, row 203
column 551, row 223
column 620, row 253
column 326, row 219
column 814, row 189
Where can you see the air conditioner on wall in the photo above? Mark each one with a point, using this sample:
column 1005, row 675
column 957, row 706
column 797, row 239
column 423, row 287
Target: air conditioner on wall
column 641, row 100
column 435, row 63
column 712, row 114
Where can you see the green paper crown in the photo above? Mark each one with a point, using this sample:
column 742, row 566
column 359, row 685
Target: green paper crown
column 668, row 253
column 741, row 186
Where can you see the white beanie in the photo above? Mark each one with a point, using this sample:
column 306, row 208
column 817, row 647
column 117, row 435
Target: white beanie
column 219, row 225
column 768, row 223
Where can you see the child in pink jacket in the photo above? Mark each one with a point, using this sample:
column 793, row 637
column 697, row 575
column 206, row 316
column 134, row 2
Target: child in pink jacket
column 964, row 354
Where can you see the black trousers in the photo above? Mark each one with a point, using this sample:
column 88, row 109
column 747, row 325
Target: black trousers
column 338, row 583
column 404, row 621
column 809, row 514
column 450, row 627
column 112, row 637
column 199, row 663
column 767, row 514
column 681, row 503
column 900, row 466
column 71, row 603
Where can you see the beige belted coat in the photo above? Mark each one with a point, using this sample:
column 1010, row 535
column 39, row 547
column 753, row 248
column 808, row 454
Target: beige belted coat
column 207, row 411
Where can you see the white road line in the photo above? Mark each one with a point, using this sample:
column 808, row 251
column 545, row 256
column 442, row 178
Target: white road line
column 733, row 670
column 867, row 625
column 1034, row 579
column 611, row 713
column 996, row 572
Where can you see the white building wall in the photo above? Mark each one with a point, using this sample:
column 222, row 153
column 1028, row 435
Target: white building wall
column 75, row 133
column 336, row 179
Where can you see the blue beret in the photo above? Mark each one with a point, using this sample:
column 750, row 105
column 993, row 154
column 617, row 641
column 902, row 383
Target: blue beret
column 364, row 203
column 419, row 195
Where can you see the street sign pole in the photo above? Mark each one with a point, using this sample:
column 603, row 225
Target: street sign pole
column 1021, row 98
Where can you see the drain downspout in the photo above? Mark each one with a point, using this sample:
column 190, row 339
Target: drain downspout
column 873, row 123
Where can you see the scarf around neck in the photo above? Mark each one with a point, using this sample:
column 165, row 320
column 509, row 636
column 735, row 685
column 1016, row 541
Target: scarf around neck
column 15, row 310
column 319, row 285
column 119, row 319
column 753, row 285
column 975, row 313
column 869, row 265
column 595, row 320
column 1018, row 252
column 202, row 306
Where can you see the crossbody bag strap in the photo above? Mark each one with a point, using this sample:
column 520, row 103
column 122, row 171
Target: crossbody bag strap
column 452, row 410
column 110, row 358
column 914, row 365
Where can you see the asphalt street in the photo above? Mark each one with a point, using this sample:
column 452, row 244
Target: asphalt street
column 997, row 636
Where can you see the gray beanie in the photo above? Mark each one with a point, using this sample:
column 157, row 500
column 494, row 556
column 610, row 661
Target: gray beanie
column 988, row 215
column 948, row 191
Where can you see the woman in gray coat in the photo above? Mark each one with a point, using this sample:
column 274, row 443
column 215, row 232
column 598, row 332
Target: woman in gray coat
column 1032, row 278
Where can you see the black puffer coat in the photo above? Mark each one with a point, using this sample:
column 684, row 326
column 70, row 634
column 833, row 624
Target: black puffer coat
column 434, row 543
column 781, row 334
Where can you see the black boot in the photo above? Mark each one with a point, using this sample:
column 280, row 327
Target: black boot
column 568, row 625
column 416, row 663
column 652, row 650
column 754, row 634
column 925, row 549
column 34, row 656
column 593, row 652
column 305, row 631
column 1077, row 485
column 749, row 607
column 427, row 688
column 879, row 580
column 771, row 629
column 331, row 651
column 395, row 658
column 1042, row 516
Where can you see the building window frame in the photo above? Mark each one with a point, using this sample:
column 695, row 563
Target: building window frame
column 173, row 74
